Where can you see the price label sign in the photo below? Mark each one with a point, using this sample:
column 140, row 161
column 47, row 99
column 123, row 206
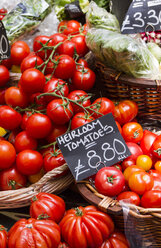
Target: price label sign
column 4, row 44
column 142, row 15
column 93, row 146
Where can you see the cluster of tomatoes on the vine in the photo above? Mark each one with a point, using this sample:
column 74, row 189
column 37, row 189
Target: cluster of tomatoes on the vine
column 51, row 226
column 3, row 12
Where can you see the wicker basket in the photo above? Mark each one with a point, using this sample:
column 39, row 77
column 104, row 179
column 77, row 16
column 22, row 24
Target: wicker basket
column 119, row 86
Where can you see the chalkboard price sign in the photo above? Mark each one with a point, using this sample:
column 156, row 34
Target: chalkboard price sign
column 93, row 146
column 142, row 15
column 4, row 44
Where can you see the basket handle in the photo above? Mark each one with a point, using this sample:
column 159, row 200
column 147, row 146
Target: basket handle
column 158, row 83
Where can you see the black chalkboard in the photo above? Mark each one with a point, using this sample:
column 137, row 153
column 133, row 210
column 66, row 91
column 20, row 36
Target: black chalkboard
column 93, row 146
column 142, row 16
column 4, row 44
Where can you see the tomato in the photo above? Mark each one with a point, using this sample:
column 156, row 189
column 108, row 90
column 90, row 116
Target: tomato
column 9, row 118
column 125, row 111
column 31, row 62
column 82, row 63
column 147, row 141
column 7, row 63
column 83, row 78
column 134, row 149
column 11, row 179
column 57, row 130
column 151, row 199
column 65, row 67
column 109, row 181
column 157, row 179
column 157, row 166
column 102, row 105
column 38, row 101
column 127, row 163
column 156, row 147
column 2, row 96
column 80, row 97
column 3, row 237
column 57, row 86
column 59, row 111
column 80, row 42
column 16, row 97
column 34, row 233
column 44, row 204
column 140, row 182
column 29, row 162
column 130, row 170
column 12, row 136
column 3, row 12
column 7, row 154
column 56, row 39
column 4, row 75
column 129, row 197
column 23, row 141
column 132, row 132
column 38, row 43
column 80, row 119
column 63, row 245
column 86, row 227
column 36, row 177
column 116, row 240
column 32, row 81
column 25, row 118
column 84, row 29
column 38, row 126
column 69, row 48
column 69, row 27
column 19, row 51
column 144, row 162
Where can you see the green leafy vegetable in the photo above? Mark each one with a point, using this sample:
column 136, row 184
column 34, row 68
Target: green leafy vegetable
column 155, row 50
column 103, row 4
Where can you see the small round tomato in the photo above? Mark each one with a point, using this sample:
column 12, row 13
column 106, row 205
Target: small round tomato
column 9, row 118
column 102, row 106
column 116, row 240
column 56, row 39
column 156, row 147
column 23, row 141
column 19, row 51
column 144, row 162
column 134, row 149
column 57, row 130
column 7, row 154
column 4, row 75
column 16, row 97
column 32, row 81
column 65, row 67
column 83, row 79
column 69, row 27
column 130, row 170
column 109, row 181
column 3, row 237
column 38, row 43
column 125, row 111
column 140, row 182
column 29, row 162
column 151, row 199
column 82, row 63
column 60, row 111
column 80, row 97
column 80, row 119
column 147, row 141
column 127, row 163
column 129, row 197
column 38, row 101
column 38, row 126
column 11, row 179
column 31, row 62
column 132, row 132
column 69, row 48
column 81, row 46
column 25, row 117
column 157, row 166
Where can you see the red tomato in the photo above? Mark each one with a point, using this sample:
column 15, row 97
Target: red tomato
column 29, row 162
column 80, row 97
column 157, row 179
column 119, row 127
column 12, row 136
column 59, row 111
column 156, row 147
column 4, row 75
column 109, row 181
column 130, row 170
column 38, row 43
column 25, row 117
column 132, row 132
column 47, row 204
column 38, row 126
column 116, row 240
column 23, row 141
column 19, row 51
column 83, row 79
column 31, row 62
column 63, row 245
column 98, row 226
column 16, row 97
column 57, row 39
column 147, row 141
column 2, row 96
column 69, row 27
column 57, row 130
column 82, row 63
column 9, row 118
column 127, row 163
column 80, row 119
column 151, row 199
column 80, row 42
column 140, row 182
column 129, row 197
column 34, row 233
column 3, row 12
column 7, row 63
column 32, row 81
column 56, row 86
column 39, row 102
column 102, row 105
column 134, row 149
column 125, row 111
column 3, row 237
column 11, row 179
column 69, row 48
column 65, row 67
column 84, row 29
column 7, row 154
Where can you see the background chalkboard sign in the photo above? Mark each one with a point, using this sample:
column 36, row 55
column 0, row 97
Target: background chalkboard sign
column 142, row 15
column 4, row 44
column 93, row 146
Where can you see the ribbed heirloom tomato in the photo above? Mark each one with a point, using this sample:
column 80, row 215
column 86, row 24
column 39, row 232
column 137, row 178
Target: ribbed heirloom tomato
column 86, row 227
column 116, row 240
column 3, row 237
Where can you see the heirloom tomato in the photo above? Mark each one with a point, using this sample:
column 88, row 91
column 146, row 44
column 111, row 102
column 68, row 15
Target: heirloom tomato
column 4, row 75
column 129, row 197
column 9, row 118
column 109, row 181
column 23, row 141
column 7, row 154
column 125, row 111
column 80, row 97
column 157, row 179
column 130, row 170
column 147, row 141
column 69, row 27
column 34, row 233
column 102, row 106
column 16, row 97
column 151, row 199
column 132, row 132
column 116, row 240
column 156, row 147
column 64, row 66
column 134, row 149
column 157, row 166
column 83, row 78
column 127, row 163
column 144, row 162
column 49, row 205
column 3, row 237
column 80, row 119
column 86, row 227
column 19, row 51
